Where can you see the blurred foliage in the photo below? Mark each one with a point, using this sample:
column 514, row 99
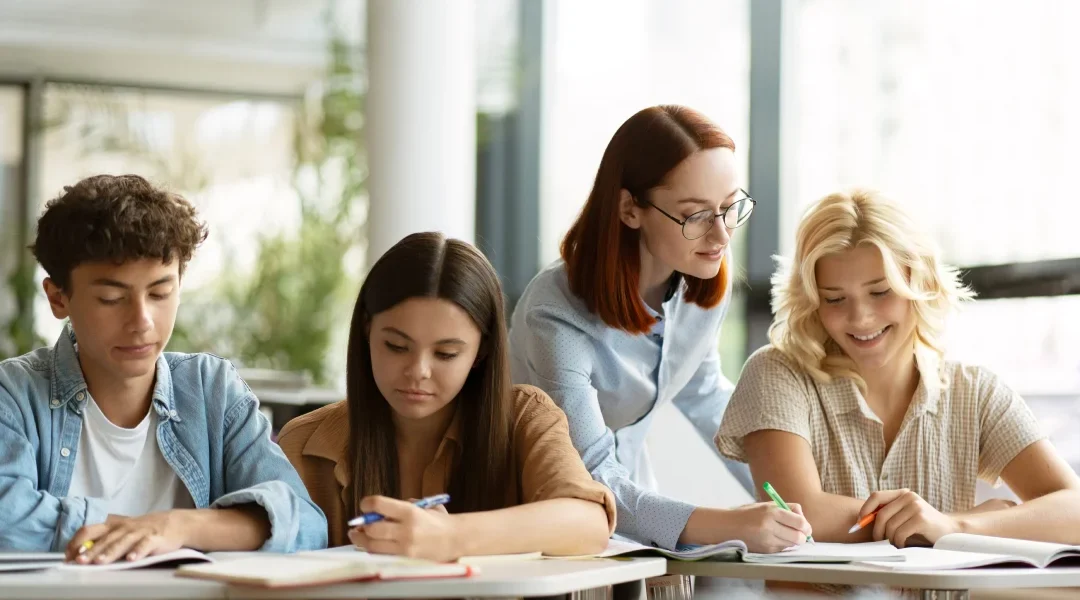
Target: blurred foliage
column 282, row 312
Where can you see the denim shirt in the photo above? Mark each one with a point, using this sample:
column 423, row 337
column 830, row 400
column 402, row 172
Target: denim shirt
column 610, row 383
column 211, row 433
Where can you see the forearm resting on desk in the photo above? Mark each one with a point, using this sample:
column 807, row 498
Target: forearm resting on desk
column 1054, row 517
column 238, row 528
column 558, row 527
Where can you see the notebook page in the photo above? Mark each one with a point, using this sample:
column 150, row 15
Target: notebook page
column 934, row 559
column 824, row 552
column 729, row 550
column 1039, row 553
column 184, row 555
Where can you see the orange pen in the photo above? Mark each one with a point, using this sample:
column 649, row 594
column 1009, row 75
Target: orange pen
column 863, row 522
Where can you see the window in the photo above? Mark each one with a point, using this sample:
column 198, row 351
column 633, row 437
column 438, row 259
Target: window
column 961, row 110
column 11, row 172
column 233, row 158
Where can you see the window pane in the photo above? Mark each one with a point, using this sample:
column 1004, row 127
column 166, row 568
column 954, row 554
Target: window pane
column 11, row 164
column 233, row 158
column 962, row 110
column 606, row 60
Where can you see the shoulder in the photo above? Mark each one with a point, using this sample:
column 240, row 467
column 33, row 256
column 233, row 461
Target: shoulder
column 972, row 382
column 548, row 298
column 769, row 361
column 25, row 378
column 297, row 432
column 32, row 364
column 530, row 402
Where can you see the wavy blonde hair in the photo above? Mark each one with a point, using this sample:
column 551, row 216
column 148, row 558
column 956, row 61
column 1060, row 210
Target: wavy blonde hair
column 840, row 222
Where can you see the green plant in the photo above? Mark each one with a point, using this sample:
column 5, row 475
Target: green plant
column 283, row 314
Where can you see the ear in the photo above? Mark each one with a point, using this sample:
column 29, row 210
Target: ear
column 629, row 211
column 58, row 300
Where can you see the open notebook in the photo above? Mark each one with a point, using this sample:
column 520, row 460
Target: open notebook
column 964, row 551
column 305, row 569
column 736, row 551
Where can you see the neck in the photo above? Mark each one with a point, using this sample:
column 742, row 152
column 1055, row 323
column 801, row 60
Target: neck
column 653, row 279
column 124, row 402
column 892, row 385
column 426, row 433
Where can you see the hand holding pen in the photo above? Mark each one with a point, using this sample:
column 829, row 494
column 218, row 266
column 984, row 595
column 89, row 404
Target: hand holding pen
column 391, row 526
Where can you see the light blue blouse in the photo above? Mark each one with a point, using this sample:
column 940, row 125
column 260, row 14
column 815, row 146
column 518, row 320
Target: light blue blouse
column 610, row 383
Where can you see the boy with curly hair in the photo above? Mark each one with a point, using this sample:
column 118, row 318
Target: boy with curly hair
column 110, row 448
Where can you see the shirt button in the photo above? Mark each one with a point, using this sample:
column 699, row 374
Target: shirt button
column 54, row 403
column 65, row 452
column 172, row 414
column 80, row 396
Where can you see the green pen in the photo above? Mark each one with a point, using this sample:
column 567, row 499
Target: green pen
column 780, row 502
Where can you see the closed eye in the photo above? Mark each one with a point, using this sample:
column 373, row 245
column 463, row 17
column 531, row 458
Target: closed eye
column 446, row 355
column 395, row 348
column 109, row 301
column 160, row 296
column 833, row 300
column 881, row 293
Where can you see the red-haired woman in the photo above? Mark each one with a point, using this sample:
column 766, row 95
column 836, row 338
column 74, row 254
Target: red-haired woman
column 628, row 321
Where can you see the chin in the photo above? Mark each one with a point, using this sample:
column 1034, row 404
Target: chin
column 701, row 270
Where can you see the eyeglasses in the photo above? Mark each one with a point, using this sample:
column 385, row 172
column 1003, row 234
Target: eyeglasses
column 701, row 223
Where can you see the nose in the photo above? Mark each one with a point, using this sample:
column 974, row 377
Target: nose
column 419, row 368
column 860, row 313
column 719, row 234
column 140, row 320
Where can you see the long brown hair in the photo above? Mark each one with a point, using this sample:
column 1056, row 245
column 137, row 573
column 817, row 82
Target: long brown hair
column 647, row 147
column 428, row 265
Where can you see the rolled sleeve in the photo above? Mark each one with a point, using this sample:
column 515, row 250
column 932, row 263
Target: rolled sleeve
column 550, row 466
column 769, row 396
column 257, row 471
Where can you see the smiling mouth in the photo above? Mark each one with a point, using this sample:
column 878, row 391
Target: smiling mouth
column 872, row 336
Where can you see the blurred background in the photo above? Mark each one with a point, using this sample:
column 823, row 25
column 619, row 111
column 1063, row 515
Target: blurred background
column 313, row 134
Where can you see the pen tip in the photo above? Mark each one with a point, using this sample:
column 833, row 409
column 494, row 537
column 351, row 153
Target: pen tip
column 854, row 528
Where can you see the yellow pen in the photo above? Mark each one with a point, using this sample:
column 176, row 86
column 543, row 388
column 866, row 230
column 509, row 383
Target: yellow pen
column 88, row 544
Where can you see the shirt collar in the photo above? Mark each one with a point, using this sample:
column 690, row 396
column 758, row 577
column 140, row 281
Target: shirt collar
column 850, row 399
column 70, row 384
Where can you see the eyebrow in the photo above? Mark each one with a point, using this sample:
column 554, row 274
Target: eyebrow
column 401, row 333
column 693, row 200
column 868, row 283
column 107, row 282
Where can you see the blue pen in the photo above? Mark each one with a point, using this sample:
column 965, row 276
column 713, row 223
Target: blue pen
column 429, row 502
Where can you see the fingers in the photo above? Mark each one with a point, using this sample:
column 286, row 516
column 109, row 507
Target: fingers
column 145, row 547
column 103, row 546
column 901, row 521
column 384, row 530
column 390, row 508
column 879, row 499
column 83, row 535
column 361, row 540
column 796, row 508
column 890, row 510
column 795, row 521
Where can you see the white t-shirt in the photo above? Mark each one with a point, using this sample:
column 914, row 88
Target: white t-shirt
column 125, row 467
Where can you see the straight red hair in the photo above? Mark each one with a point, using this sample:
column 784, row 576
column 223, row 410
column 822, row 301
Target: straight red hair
column 647, row 147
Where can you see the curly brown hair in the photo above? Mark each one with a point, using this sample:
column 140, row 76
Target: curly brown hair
column 117, row 219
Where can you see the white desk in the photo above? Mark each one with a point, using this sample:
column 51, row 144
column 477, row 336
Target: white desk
column 533, row 578
column 934, row 584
